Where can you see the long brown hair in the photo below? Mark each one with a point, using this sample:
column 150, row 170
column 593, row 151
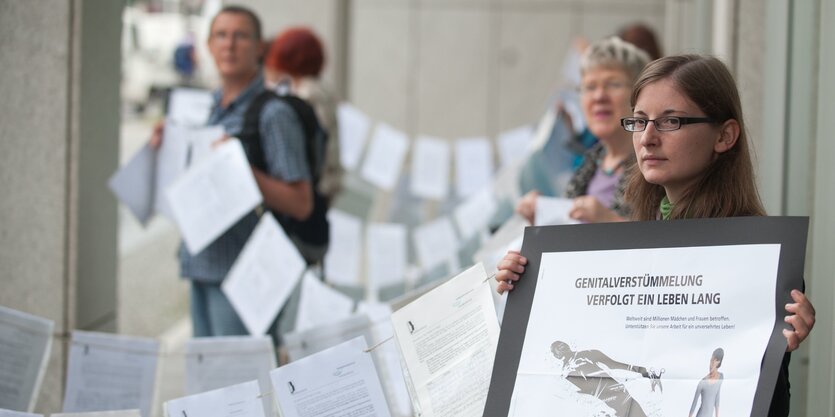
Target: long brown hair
column 727, row 187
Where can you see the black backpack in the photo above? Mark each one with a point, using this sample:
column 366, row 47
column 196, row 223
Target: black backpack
column 313, row 231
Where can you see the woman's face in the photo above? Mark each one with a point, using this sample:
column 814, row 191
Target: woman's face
column 604, row 98
column 675, row 159
column 714, row 364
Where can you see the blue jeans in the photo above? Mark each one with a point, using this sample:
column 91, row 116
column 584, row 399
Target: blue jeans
column 213, row 315
column 211, row 312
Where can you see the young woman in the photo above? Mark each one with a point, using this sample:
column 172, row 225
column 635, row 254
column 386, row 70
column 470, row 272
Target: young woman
column 693, row 162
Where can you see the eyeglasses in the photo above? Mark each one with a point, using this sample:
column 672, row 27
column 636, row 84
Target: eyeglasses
column 607, row 87
column 236, row 36
column 662, row 124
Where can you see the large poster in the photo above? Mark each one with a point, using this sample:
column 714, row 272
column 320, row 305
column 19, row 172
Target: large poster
column 648, row 319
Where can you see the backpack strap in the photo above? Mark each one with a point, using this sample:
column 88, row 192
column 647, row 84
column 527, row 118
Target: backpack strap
column 250, row 134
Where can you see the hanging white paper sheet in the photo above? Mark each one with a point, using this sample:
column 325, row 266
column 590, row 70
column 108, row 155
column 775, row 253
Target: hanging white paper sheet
column 320, row 304
column 474, row 214
column 110, row 372
column 430, row 168
column 473, row 165
column 342, row 261
column 213, row 195
column 264, row 275
column 386, row 254
column 384, row 160
column 514, row 144
column 340, row 381
column 24, row 352
column 133, row 184
column 436, row 244
column 448, row 340
column 353, row 131
column 242, row 400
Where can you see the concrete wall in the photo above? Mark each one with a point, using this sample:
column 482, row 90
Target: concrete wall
column 58, row 124
column 458, row 68
column 34, row 169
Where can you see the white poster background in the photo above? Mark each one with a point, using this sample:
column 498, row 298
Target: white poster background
column 741, row 324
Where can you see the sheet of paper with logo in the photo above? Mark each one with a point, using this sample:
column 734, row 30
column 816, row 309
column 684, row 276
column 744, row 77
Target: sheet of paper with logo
column 241, row 400
column 473, row 165
column 133, row 184
column 430, row 168
column 514, row 144
column 213, row 195
column 189, row 106
column 553, row 210
column 339, row 381
column 436, row 244
column 375, row 326
column 342, row 261
column 353, row 131
column 11, row 413
column 24, row 352
column 386, row 254
column 474, row 214
column 320, row 304
column 115, row 413
column 264, row 275
column 172, row 159
column 384, row 160
column 217, row 362
column 110, row 372
column 448, row 339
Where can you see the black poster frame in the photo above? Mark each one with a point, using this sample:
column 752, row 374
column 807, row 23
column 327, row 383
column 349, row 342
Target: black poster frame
column 789, row 232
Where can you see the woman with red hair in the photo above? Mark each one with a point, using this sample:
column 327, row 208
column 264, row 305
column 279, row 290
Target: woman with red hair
column 293, row 65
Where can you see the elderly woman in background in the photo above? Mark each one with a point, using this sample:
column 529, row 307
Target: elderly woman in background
column 609, row 68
